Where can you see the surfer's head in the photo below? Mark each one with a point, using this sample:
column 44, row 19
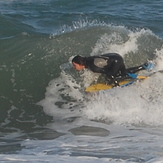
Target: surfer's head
column 78, row 62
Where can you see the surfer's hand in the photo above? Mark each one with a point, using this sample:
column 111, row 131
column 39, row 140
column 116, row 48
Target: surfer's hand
column 116, row 85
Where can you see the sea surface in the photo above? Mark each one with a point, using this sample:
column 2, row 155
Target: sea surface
column 45, row 114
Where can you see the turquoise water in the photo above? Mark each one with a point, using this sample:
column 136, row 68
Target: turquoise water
column 43, row 106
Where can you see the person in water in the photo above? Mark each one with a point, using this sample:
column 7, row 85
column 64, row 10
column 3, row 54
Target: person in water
column 111, row 64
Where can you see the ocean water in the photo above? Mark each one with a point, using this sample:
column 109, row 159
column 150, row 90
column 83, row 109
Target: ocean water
column 45, row 115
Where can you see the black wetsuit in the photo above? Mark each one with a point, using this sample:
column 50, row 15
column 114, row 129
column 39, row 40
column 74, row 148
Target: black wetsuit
column 112, row 65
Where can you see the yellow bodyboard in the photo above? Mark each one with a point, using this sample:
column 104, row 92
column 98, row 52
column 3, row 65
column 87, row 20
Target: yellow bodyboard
column 100, row 86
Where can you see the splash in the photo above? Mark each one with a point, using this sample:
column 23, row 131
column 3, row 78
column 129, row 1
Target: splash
column 62, row 94
column 114, row 42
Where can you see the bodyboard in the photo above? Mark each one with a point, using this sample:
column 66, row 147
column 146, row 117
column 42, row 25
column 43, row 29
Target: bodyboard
column 100, row 86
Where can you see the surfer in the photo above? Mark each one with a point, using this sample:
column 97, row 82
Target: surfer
column 111, row 64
